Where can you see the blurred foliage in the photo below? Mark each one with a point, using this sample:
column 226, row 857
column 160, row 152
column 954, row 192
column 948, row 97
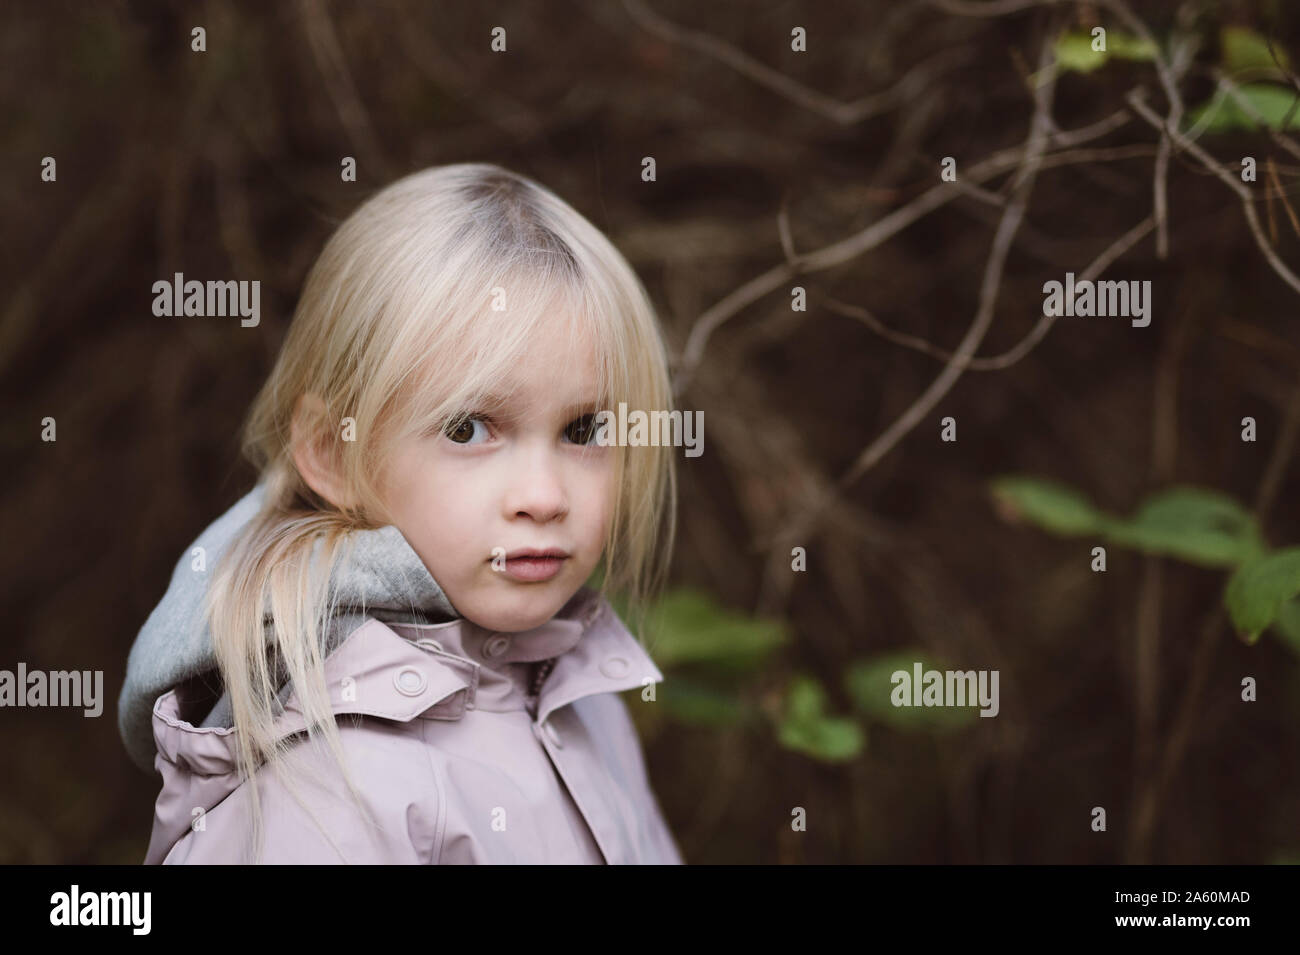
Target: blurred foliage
column 1078, row 51
column 870, row 682
column 1245, row 54
column 1245, row 50
column 687, row 626
column 806, row 727
column 703, row 646
column 1258, row 590
column 1200, row 526
column 1275, row 105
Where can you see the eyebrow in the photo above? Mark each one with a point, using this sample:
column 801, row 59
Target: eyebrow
column 498, row 404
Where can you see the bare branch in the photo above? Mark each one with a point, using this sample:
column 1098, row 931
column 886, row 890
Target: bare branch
column 1232, row 89
column 873, row 235
column 1025, row 345
column 1180, row 733
column 991, row 8
column 1168, row 80
column 1280, row 193
column 783, row 227
column 324, row 42
column 1031, row 159
column 846, row 114
column 1229, row 179
column 1094, row 131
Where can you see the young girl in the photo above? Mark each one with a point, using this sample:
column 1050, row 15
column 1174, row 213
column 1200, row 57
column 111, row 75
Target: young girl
column 385, row 652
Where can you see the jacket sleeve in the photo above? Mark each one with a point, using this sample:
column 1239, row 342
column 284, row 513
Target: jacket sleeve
column 323, row 825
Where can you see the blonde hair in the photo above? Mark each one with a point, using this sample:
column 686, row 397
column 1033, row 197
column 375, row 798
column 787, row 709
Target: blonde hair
column 395, row 330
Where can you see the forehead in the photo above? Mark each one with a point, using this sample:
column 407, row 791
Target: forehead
column 560, row 366
column 557, row 363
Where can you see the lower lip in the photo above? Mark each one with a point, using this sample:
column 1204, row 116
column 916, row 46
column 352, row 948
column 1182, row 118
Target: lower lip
column 534, row 568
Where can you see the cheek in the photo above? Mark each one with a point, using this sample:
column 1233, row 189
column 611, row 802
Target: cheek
column 435, row 511
column 603, row 491
column 450, row 509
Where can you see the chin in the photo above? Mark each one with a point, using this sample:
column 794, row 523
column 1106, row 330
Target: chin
column 526, row 608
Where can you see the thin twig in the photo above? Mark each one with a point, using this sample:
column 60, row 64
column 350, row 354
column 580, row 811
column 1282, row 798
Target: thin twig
column 1273, row 473
column 845, row 250
column 1230, row 88
column 1168, row 80
column 1093, row 131
column 1022, row 348
column 846, row 114
column 1203, row 658
column 1026, row 172
column 783, row 229
column 1281, row 194
column 1231, row 181
column 1146, row 682
column 328, row 54
column 1272, row 219
column 990, row 8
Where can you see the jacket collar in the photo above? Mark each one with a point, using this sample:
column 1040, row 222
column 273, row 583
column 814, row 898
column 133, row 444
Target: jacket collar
column 437, row 671
column 594, row 651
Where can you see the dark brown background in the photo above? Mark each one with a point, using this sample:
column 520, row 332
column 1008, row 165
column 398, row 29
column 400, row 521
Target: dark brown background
column 226, row 164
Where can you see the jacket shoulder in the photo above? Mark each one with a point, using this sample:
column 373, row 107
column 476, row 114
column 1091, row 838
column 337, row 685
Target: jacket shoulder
column 383, row 690
column 310, row 817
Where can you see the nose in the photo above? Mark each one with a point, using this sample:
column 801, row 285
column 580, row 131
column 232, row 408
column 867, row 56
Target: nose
column 536, row 488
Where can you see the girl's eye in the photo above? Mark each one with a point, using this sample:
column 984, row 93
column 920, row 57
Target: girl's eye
column 581, row 430
column 466, row 429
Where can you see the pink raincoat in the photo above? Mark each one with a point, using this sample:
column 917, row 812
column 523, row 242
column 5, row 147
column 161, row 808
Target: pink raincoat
column 456, row 761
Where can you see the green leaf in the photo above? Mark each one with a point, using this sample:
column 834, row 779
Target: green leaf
column 829, row 740
column 1051, row 505
column 1197, row 525
column 805, row 699
column 1244, row 49
column 1126, row 46
column 694, row 703
column 870, row 684
column 805, row 728
column 1223, row 114
column 1257, row 590
column 689, row 626
column 1074, row 52
column 1287, row 625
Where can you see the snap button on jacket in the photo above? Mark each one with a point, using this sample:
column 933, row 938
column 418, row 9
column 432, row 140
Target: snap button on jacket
column 456, row 761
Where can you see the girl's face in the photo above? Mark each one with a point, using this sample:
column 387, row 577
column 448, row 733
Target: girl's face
column 509, row 508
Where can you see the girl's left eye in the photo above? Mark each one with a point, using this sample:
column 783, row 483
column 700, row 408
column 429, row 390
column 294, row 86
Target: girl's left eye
column 581, row 430
column 466, row 430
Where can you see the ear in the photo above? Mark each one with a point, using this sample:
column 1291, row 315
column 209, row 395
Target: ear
column 315, row 450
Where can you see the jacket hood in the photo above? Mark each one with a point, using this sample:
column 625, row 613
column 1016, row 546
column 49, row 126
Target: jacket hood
column 382, row 578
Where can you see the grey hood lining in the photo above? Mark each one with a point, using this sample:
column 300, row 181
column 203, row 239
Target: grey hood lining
column 382, row 577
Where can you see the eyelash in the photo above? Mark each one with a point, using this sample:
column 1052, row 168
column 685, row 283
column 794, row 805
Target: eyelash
column 587, row 419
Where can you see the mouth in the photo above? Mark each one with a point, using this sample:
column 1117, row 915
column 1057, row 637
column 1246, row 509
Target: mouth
column 531, row 565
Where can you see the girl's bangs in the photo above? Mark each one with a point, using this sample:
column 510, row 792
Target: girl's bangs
column 471, row 348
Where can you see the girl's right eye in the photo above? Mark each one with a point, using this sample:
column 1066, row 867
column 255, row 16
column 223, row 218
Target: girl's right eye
column 465, row 430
